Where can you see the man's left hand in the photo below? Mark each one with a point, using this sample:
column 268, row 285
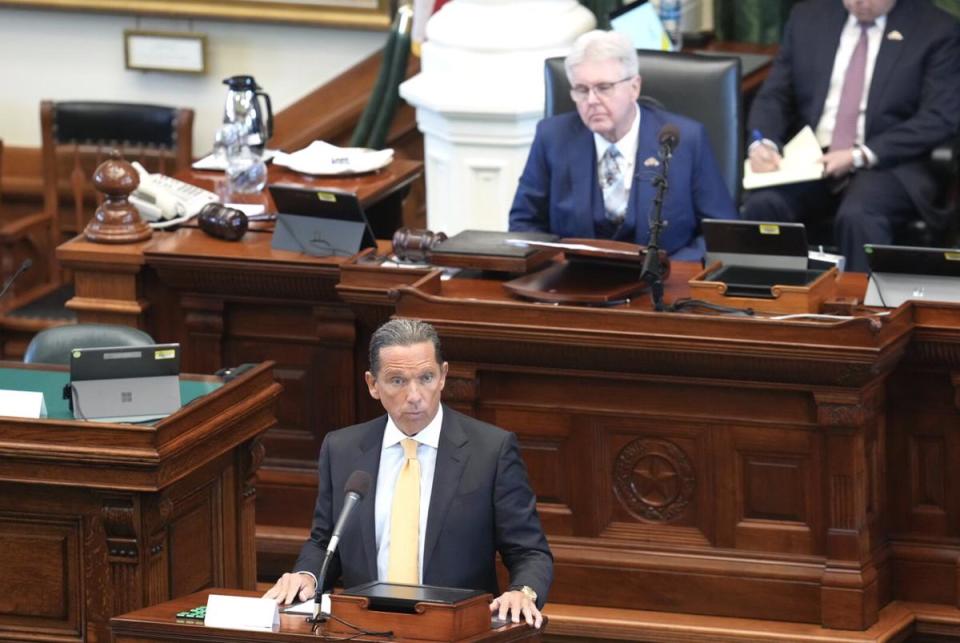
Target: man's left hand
column 837, row 163
column 512, row 605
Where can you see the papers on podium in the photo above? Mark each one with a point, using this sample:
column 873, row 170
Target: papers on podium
column 799, row 164
column 242, row 613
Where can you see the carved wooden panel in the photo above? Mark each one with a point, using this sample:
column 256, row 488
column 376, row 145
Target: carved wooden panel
column 773, row 477
column 194, row 542
column 928, row 481
column 40, row 573
column 550, row 457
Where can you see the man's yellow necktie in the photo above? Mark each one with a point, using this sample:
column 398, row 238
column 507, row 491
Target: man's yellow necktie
column 403, row 565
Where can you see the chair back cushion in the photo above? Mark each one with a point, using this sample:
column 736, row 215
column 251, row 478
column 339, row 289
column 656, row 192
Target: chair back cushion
column 703, row 87
column 83, row 122
column 53, row 345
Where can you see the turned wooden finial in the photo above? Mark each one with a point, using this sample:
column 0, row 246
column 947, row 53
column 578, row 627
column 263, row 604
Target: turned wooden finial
column 116, row 220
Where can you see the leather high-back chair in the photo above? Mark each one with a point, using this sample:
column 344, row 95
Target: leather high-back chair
column 79, row 135
column 76, row 137
column 53, row 345
column 701, row 87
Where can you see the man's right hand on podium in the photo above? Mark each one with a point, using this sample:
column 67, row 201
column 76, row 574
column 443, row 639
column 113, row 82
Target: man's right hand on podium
column 293, row 587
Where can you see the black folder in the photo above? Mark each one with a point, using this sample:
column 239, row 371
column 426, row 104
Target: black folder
column 394, row 597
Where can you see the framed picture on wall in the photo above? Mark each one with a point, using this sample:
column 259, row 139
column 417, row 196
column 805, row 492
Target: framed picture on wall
column 365, row 14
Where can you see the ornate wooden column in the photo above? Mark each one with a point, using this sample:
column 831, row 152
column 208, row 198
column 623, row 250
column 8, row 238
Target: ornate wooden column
column 853, row 479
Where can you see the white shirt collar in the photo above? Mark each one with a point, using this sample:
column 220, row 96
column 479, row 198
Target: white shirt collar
column 853, row 23
column 429, row 435
column 626, row 145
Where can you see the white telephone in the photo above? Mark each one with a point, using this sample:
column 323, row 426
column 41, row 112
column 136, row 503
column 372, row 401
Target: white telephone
column 163, row 198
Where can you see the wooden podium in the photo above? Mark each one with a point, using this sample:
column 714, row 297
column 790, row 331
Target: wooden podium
column 791, row 470
column 159, row 623
column 97, row 519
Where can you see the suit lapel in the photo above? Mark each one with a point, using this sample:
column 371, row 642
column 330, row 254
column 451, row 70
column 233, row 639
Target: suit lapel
column 452, row 455
column 642, row 190
column 900, row 19
column 585, row 187
column 825, row 51
column 368, row 459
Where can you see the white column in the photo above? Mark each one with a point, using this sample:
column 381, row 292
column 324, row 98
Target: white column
column 479, row 96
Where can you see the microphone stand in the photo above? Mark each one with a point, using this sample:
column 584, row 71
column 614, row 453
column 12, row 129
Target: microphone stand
column 26, row 265
column 652, row 271
column 318, row 616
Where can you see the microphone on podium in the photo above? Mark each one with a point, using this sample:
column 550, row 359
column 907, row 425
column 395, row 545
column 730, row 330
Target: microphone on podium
column 652, row 273
column 668, row 138
column 25, row 266
column 357, row 486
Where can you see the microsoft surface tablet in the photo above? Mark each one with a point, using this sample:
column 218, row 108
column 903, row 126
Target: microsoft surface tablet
column 319, row 221
column 125, row 383
column 901, row 273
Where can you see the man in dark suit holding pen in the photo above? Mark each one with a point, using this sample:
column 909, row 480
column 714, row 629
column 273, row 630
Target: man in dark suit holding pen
column 450, row 492
column 879, row 82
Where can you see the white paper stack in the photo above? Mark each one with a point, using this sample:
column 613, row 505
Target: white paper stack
column 322, row 158
column 799, row 163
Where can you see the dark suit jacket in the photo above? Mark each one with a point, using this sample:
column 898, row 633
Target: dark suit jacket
column 559, row 191
column 481, row 504
column 914, row 98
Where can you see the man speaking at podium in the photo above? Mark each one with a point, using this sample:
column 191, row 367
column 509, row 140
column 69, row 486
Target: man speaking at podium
column 590, row 174
column 450, row 491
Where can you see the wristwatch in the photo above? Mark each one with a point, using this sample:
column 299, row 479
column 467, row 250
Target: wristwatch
column 526, row 590
column 859, row 158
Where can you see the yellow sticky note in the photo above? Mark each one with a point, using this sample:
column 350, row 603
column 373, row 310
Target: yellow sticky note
column 769, row 228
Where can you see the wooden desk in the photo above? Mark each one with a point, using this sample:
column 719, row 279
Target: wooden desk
column 97, row 519
column 229, row 303
column 159, row 623
column 381, row 193
column 783, row 470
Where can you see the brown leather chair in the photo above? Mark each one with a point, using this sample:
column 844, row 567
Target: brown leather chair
column 76, row 137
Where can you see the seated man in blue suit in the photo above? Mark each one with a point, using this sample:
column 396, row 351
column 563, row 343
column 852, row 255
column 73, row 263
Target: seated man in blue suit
column 589, row 173
column 465, row 479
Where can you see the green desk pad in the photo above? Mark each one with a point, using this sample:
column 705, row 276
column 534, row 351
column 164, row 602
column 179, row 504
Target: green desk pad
column 51, row 384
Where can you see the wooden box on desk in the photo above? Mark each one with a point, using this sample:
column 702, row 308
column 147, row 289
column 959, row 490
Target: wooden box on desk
column 785, row 299
column 430, row 622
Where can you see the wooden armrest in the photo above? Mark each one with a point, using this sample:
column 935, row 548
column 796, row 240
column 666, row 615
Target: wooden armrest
column 17, row 228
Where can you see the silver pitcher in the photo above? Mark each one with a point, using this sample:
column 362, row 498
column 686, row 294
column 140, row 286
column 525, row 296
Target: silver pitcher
column 243, row 109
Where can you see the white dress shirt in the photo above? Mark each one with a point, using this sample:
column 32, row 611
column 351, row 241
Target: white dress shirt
column 391, row 461
column 627, row 147
column 848, row 42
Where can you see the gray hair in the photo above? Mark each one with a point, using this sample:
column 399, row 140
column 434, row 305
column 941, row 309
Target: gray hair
column 402, row 332
column 598, row 45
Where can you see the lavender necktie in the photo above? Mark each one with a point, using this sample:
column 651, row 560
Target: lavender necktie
column 851, row 94
column 614, row 190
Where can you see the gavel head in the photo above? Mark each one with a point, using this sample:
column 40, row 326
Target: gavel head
column 414, row 245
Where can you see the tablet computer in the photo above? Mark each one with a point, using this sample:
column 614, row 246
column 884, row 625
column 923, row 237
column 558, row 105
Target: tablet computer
column 901, row 273
column 396, row 597
column 125, row 383
column 321, row 222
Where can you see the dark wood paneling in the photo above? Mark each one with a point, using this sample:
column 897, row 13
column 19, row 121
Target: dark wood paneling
column 751, row 468
column 40, row 571
column 96, row 520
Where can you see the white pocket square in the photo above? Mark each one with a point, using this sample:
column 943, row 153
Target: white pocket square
column 894, row 35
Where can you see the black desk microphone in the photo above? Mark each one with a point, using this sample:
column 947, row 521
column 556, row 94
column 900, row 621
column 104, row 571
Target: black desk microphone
column 25, row 266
